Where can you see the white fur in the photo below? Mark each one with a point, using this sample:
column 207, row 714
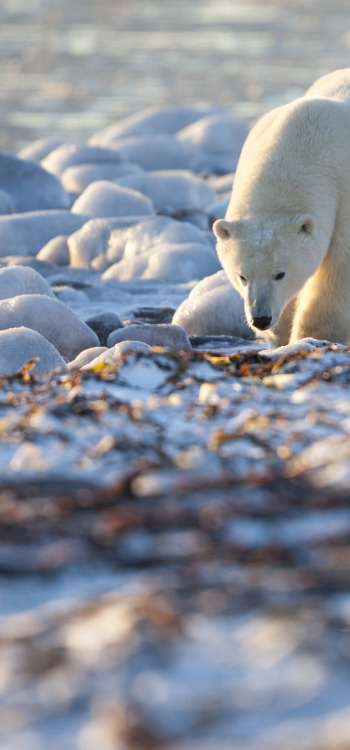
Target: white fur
column 290, row 213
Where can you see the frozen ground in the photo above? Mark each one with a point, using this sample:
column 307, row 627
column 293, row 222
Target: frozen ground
column 174, row 519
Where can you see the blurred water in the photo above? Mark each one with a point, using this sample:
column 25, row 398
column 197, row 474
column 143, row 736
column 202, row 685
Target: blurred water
column 69, row 68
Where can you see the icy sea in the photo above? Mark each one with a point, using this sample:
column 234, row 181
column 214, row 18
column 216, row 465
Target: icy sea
column 174, row 516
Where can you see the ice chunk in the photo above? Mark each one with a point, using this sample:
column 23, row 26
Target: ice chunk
column 172, row 191
column 26, row 234
column 103, row 199
column 153, row 120
column 54, row 320
column 76, row 179
column 170, row 336
column 19, row 345
column 69, row 155
column 213, row 307
column 16, row 280
column 30, row 187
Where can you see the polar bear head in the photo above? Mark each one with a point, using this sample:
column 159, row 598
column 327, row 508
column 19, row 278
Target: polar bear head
column 269, row 260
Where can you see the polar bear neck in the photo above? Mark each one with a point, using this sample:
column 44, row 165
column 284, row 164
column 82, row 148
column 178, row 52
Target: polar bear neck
column 290, row 159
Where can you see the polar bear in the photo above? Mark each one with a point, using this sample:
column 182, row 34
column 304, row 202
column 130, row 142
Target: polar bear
column 285, row 241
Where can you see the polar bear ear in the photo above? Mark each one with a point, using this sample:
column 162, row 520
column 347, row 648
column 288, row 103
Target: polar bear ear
column 304, row 224
column 222, row 229
column 225, row 230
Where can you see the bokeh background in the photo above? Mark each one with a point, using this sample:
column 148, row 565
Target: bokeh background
column 68, row 67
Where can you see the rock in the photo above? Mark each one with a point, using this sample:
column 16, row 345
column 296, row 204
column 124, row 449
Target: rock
column 54, row 320
column 103, row 324
column 152, row 121
column 172, row 191
column 40, row 148
column 213, row 307
column 76, row 179
column 170, row 336
column 26, row 234
column 86, row 356
column 29, row 185
column 102, row 199
column 56, row 251
column 17, row 280
column 19, row 345
column 69, row 155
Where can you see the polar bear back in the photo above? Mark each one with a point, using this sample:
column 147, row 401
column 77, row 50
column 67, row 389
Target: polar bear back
column 334, row 85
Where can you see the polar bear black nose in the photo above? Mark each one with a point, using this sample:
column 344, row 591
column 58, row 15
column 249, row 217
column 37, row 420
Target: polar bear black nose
column 262, row 323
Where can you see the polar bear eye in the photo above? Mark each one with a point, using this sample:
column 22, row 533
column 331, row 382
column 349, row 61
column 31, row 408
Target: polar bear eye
column 279, row 276
column 243, row 279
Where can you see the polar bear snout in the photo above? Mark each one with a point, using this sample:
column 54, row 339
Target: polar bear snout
column 261, row 322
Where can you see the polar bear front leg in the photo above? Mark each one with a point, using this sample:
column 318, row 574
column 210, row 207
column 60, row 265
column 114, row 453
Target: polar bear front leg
column 322, row 308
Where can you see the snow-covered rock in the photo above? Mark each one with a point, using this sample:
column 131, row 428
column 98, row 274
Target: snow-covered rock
column 102, row 199
column 7, row 204
column 172, row 191
column 30, row 186
column 19, row 345
column 117, row 353
column 213, row 307
column 86, row 356
column 17, row 280
column 153, row 120
column 40, row 148
column 154, row 152
column 76, row 179
column 55, row 251
column 219, row 138
column 174, row 262
column 54, row 320
column 102, row 242
column 69, row 155
column 170, row 336
column 27, row 233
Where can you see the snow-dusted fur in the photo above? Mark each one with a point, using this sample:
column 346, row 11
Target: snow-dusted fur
column 285, row 242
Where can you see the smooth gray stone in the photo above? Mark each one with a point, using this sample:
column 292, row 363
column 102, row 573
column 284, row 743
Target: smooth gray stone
column 103, row 324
